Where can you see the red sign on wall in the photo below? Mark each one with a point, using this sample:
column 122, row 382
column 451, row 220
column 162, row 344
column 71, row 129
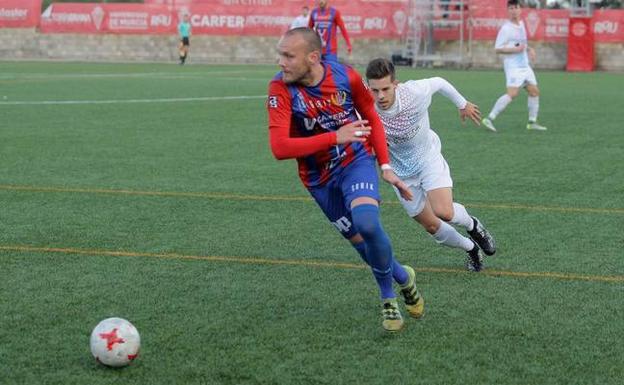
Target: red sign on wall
column 580, row 45
column 107, row 18
column 19, row 13
column 363, row 18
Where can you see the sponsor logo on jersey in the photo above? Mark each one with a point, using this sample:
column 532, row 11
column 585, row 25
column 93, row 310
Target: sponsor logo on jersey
column 273, row 101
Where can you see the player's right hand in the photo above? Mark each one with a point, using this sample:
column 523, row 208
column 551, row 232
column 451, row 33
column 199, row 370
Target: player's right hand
column 356, row 131
column 472, row 112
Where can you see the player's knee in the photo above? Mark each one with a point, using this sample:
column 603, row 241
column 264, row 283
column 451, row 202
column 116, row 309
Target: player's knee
column 534, row 92
column 431, row 228
column 366, row 221
column 512, row 94
column 367, row 228
column 444, row 213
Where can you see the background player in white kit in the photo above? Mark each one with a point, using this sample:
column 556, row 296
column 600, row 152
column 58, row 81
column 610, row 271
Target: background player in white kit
column 511, row 41
column 415, row 156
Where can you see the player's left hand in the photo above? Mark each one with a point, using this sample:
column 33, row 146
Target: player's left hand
column 531, row 53
column 471, row 111
column 390, row 177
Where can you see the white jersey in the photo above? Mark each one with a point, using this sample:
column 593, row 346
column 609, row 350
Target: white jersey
column 411, row 141
column 300, row 21
column 511, row 35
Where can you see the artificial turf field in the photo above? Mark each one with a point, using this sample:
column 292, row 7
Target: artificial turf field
column 149, row 192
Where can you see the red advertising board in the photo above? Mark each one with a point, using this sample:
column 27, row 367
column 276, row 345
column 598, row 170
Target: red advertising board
column 580, row 45
column 107, row 18
column 19, row 13
column 363, row 18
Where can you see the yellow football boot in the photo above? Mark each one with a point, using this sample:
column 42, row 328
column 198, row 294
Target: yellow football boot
column 414, row 302
column 392, row 319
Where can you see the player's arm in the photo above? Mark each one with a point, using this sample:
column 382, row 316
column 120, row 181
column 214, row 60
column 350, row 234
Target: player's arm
column 466, row 109
column 311, row 19
column 340, row 23
column 284, row 146
column 280, row 113
column 365, row 105
column 503, row 46
column 531, row 52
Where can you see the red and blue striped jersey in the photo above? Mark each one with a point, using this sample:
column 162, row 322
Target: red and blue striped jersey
column 326, row 22
column 303, row 122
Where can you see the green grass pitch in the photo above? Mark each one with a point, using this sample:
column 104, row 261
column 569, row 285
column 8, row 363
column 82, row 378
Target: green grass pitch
column 150, row 193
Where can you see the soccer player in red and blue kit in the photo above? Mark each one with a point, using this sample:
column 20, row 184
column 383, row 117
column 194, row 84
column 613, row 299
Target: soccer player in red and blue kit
column 325, row 21
column 313, row 108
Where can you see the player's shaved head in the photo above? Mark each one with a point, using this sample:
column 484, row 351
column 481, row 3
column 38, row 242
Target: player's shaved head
column 309, row 36
column 299, row 53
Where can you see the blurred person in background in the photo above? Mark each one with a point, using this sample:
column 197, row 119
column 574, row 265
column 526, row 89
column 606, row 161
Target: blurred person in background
column 184, row 30
column 511, row 42
column 302, row 20
column 326, row 20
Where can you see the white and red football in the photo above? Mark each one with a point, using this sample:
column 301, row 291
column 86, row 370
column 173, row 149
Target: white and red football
column 115, row 342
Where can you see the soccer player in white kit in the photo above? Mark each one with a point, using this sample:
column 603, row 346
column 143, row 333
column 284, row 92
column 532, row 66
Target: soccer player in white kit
column 511, row 41
column 415, row 156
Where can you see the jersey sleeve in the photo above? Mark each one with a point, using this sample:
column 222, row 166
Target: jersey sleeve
column 340, row 23
column 445, row 88
column 282, row 144
column 501, row 38
column 365, row 105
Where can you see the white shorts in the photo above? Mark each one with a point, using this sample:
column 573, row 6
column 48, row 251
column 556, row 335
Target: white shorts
column 435, row 174
column 520, row 77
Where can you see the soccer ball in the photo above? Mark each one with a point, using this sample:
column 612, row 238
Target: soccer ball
column 115, row 342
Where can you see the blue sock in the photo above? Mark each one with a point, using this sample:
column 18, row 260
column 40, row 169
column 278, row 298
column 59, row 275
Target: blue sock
column 361, row 249
column 378, row 250
column 398, row 272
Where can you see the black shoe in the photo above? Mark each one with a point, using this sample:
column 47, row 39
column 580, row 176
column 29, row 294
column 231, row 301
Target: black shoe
column 483, row 237
column 474, row 259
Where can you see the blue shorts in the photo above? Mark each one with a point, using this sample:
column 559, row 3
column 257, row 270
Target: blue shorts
column 359, row 179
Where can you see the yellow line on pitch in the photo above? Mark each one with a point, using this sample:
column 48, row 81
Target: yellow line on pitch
column 157, row 193
column 209, row 195
column 295, row 262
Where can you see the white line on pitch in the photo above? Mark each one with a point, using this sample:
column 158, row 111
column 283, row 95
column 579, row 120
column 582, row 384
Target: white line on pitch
column 40, row 75
column 129, row 101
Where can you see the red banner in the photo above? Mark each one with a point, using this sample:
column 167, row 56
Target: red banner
column 580, row 45
column 363, row 19
column 107, row 18
column 19, row 13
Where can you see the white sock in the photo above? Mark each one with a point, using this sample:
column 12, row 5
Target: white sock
column 461, row 217
column 499, row 106
column 448, row 236
column 533, row 103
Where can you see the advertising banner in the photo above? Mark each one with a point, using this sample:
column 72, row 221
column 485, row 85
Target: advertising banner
column 19, row 13
column 107, row 18
column 363, row 19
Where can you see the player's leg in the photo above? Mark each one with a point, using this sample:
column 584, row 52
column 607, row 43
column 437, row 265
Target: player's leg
column 436, row 180
column 399, row 274
column 360, row 189
column 181, row 51
column 456, row 214
column 533, row 102
column 447, row 211
column 513, row 82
